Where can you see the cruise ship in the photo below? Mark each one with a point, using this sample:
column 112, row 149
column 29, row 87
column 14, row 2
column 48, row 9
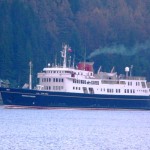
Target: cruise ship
column 66, row 86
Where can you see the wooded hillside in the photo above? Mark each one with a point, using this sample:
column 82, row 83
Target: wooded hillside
column 112, row 32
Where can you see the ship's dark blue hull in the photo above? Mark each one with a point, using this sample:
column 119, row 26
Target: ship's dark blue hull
column 23, row 97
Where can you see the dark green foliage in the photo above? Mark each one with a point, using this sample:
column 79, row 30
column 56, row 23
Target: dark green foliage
column 75, row 5
column 35, row 30
column 22, row 39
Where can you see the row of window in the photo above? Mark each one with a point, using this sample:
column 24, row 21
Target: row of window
column 52, row 80
column 137, row 83
column 130, row 83
column 55, row 71
column 145, row 91
column 53, row 87
column 116, row 82
column 88, row 82
column 84, row 82
column 76, row 88
column 79, row 81
column 78, row 73
column 91, row 90
column 133, row 91
column 129, row 91
column 94, row 82
column 117, row 90
column 112, row 90
column 58, row 88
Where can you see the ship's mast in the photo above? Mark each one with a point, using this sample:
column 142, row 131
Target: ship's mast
column 30, row 75
column 63, row 54
column 84, row 57
column 73, row 61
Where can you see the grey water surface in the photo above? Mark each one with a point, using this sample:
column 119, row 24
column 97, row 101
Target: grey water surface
column 42, row 129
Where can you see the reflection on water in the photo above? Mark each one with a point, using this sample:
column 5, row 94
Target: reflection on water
column 39, row 129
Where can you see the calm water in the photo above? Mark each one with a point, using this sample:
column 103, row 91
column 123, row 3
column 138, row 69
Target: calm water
column 34, row 129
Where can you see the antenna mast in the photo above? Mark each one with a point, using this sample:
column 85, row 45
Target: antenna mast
column 63, row 54
column 30, row 75
column 84, row 57
column 73, row 61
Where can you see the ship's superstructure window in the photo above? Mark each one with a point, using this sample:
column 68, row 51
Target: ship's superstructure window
column 117, row 90
column 129, row 91
column 91, row 82
column 85, row 90
column 57, row 88
column 110, row 90
column 91, row 90
column 52, row 80
column 47, row 87
column 54, row 71
column 79, row 81
column 130, row 83
column 76, row 88
column 110, row 82
column 137, row 83
column 95, row 82
column 122, row 82
column 143, row 84
column 67, row 71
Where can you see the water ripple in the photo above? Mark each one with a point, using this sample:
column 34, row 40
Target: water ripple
column 26, row 129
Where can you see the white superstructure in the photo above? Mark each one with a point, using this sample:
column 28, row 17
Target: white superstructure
column 83, row 80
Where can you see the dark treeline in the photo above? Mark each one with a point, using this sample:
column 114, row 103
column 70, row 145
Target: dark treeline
column 112, row 32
